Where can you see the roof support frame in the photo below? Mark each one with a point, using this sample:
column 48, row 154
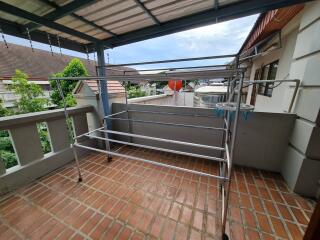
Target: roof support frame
column 57, row 7
column 147, row 11
column 61, row 11
column 223, row 13
column 17, row 30
column 43, row 21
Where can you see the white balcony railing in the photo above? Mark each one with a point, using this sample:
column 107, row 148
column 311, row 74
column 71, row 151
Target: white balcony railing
column 32, row 162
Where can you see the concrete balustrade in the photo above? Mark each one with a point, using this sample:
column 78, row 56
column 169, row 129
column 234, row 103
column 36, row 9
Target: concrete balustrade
column 32, row 162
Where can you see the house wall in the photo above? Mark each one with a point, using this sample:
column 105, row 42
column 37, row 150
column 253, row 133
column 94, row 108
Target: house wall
column 301, row 167
column 298, row 59
column 279, row 102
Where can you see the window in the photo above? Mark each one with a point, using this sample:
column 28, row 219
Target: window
column 268, row 73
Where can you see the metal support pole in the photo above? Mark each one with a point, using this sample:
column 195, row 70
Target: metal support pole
column 127, row 110
column 104, row 92
column 233, row 140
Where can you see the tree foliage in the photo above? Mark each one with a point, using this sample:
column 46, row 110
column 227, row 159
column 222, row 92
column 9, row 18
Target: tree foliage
column 75, row 68
column 30, row 94
column 30, row 99
column 135, row 91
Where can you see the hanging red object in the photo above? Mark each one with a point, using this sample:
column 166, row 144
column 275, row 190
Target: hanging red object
column 175, row 84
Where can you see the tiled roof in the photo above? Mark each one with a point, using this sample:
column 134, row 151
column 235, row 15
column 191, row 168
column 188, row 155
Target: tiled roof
column 113, row 86
column 269, row 23
column 41, row 64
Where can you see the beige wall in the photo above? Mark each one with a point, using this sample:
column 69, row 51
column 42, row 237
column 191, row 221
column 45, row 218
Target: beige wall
column 299, row 58
column 279, row 102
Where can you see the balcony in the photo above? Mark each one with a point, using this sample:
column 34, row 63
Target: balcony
column 127, row 199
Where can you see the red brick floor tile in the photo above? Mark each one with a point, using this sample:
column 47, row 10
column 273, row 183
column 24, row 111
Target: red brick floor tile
column 252, row 234
column 91, row 223
column 175, row 211
column 125, row 234
column 279, row 228
column 132, row 200
column 237, row 232
column 126, row 211
column 195, row 235
column 299, row 215
column 284, row 211
column 157, row 225
column 181, row 232
column 66, row 234
column 212, row 225
column 169, row 229
column 77, row 237
column 248, row 218
column 198, row 220
column 257, row 204
column 235, row 214
column 137, row 236
column 113, row 231
column 145, row 221
column 294, row 231
column 101, row 228
column 264, row 223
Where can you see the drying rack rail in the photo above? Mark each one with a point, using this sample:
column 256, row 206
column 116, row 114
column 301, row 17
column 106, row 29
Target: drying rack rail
column 233, row 77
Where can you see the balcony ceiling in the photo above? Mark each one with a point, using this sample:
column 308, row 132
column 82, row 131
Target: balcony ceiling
column 82, row 24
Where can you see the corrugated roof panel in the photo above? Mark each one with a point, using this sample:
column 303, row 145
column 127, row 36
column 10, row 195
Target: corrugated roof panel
column 105, row 8
column 101, row 35
column 132, row 20
column 127, row 14
column 178, row 10
column 150, row 4
column 133, row 26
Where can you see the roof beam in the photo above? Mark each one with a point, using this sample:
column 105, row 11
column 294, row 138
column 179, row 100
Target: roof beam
column 15, row 29
column 62, row 11
column 33, row 26
column 147, row 11
column 43, row 21
column 211, row 16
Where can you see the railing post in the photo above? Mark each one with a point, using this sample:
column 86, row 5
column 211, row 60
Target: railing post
column 2, row 167
column 26, row 142
column 58, row 133
column 80, row 125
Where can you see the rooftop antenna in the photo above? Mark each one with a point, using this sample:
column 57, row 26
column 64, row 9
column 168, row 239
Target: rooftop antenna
column 3, row 38
column 29, row 37
column 58, row 40
column 49, row 41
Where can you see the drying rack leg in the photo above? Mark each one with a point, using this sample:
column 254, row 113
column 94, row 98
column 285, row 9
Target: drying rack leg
column 77, row 163
column 109, row 157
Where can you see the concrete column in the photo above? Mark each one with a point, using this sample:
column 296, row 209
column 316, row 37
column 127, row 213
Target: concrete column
column 26, row 142
column 80, row 125
column 58, row 133
column 301, row 166
column 2, row 167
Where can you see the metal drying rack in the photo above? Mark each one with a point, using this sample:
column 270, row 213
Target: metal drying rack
column 233, row 76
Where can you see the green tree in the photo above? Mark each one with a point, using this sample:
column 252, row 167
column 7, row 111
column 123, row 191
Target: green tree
column 75, row 68
column 3, row 111
column 135, row 91
column 30, row 94
column 30, row 100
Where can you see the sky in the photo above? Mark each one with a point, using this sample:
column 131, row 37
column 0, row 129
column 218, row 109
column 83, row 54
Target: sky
column 217, row 39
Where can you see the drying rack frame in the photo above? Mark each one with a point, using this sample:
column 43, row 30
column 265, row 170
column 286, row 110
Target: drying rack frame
column 235, row 85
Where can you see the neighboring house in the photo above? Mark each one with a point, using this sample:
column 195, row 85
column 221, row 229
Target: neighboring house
column 39, row 65
column 295, row 56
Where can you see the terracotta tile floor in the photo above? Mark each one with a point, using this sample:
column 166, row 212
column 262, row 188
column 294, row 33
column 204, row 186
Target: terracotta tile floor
column 132, row 200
